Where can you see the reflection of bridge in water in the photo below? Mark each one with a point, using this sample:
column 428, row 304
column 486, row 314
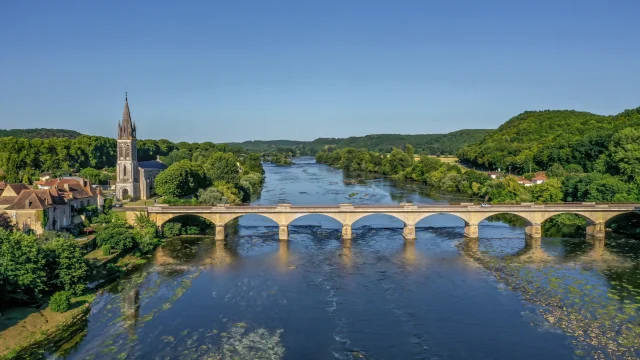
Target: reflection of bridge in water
column 283, row 215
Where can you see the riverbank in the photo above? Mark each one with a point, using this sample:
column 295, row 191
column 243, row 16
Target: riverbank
column 41, row 329
column 28, row 331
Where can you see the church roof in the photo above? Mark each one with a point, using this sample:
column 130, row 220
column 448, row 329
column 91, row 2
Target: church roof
column 153, row 164
column 126, row 129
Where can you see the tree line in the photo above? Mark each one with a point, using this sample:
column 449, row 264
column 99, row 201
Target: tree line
column 22, row 158
column 432, row 144
column 563, row 184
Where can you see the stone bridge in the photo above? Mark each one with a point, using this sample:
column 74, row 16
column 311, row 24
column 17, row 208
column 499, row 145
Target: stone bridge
column 283, row 214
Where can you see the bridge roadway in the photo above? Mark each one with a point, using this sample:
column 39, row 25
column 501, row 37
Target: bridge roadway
column 410, row 214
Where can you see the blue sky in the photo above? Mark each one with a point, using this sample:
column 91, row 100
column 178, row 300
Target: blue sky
column 241, row 70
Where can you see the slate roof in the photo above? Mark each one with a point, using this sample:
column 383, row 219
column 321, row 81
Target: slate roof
column 152, row 164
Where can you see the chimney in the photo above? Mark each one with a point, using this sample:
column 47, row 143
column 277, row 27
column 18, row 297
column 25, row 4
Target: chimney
column 66, row 187
column 157, row 157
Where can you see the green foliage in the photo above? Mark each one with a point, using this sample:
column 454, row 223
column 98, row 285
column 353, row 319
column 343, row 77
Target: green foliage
column 67, row 264
column 5, row 222
column 279, row 159
column 97, row 176
column 60, row 302
column 106, row 250
column 23, row 273
column 181, row 179
column 556, row 171
column 40, row 133
column 431, row 144
column 116, row 235
column 542, row 138
column 146, row 234
column 172, row 229
column 222, row 167
column 625, row 152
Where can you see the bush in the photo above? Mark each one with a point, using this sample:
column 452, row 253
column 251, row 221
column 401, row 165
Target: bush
column 191, row 230
column 172, row 229
column 60, row 302
column 106, row 250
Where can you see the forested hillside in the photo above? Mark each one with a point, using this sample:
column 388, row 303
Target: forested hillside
column 40, row 133
column 539, row 139
column 432, row 144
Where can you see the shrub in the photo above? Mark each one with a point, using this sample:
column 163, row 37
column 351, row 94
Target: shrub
column 172, row 229
column 60, row 302
column 191, row 230
column 106, row 250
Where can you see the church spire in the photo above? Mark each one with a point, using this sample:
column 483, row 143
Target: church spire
column 126, row 130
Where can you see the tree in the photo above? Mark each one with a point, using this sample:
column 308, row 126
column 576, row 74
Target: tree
column 5, row 222
column 146, row 234
column 222, row 167
column 556, row 170
column 23, row 275
column 117, row 235
column 396, row 162
column 410, row 151
column 181, row 179
column 211, row 196
column 549, row 191
column 625, row 152
column 68, row 265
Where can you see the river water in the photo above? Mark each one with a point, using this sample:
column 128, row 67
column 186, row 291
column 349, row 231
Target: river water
column 438, row 297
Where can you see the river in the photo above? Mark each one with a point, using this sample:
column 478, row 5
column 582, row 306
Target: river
column 438, row 297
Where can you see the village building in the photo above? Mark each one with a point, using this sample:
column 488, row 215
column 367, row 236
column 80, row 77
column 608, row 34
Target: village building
column 540, row 178
column 493, row 174
column 51, row 208
column 134, row 180
column 525, row 182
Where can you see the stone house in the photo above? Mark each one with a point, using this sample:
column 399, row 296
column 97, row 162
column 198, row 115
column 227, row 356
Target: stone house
column 51, row 208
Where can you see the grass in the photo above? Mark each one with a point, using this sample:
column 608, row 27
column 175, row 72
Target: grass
column 97, row 256
column 24, row 326
column 148, row 202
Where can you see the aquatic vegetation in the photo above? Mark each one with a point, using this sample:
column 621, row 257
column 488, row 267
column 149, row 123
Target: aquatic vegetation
column 571, row 298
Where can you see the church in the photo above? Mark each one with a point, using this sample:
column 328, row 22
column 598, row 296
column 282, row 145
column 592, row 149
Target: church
column 134, row 180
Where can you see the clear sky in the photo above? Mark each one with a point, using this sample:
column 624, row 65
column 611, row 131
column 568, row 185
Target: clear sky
column 267, row 69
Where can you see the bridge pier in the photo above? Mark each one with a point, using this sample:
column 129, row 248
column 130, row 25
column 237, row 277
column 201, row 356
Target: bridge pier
column 534, row 231
column 596, row 230
column 283, row 233
column 409, row 232
column 532, row 242
column 471, row 231
column 346, row 232
column 219, row 232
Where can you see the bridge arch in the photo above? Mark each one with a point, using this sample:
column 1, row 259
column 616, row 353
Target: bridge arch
column 276, row 220
column 426, row 217
column 359, row 217
column 201, row 221
column 325, row 216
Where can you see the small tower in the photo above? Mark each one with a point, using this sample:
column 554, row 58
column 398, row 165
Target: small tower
column 127, row 171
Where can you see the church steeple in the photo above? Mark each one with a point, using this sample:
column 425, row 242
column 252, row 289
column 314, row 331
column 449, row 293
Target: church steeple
column 126, row 130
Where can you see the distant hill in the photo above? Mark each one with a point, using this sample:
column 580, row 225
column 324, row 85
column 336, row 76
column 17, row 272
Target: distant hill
column 40, row 133
column 429, row 143
column 542, row 138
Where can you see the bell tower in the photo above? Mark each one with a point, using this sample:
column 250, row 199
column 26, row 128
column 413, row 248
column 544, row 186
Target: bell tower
column 127, row 171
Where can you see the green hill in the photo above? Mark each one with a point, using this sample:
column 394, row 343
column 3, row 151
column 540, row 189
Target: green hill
column 542, row 138
column 40, row 133
column 429, row 143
